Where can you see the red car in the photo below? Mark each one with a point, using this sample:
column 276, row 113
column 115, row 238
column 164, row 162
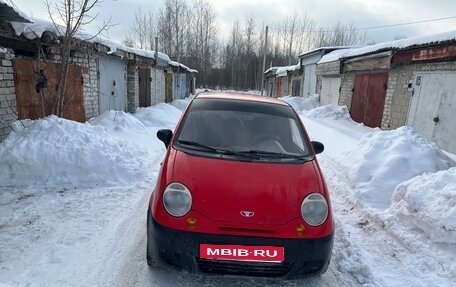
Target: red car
column 240, row 191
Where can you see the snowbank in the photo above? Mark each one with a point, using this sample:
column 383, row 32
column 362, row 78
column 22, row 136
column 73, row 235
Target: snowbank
column 161, row 115
column 118, row 121
column 59, row 152
column 180, row 104
column 300, row 104
column 382, row 160
column 329, row 112
column 428, row 202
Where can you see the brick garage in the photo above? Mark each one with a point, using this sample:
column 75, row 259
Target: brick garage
column 420, row 88
column 8, row 107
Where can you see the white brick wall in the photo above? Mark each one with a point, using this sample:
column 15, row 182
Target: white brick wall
column 132, row 88
column 346, row 89
column 8, row 105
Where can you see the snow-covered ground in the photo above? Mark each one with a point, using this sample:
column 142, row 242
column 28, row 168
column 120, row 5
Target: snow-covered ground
column 73, row 201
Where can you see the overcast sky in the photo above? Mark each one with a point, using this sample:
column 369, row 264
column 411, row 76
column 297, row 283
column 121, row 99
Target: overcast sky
column 363, row 13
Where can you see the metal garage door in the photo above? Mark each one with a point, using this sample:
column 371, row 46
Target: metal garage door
column 144, row 87
column 29, row 104
column 112, row 85
column 369, row 99
column 330, row 91
column 310, row 81
column 433, row 108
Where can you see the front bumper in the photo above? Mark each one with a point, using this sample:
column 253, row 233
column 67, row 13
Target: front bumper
column 303, row 257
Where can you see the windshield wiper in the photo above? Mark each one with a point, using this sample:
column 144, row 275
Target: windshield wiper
column 196, row 144
column 279, row 155
column 219, row 151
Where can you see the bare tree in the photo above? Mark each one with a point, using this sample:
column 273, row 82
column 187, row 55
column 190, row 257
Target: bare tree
column 75, row 16
column 341, row 35
column 172, row 27
column 142, row 30
column 201, row 37
column 293, row 34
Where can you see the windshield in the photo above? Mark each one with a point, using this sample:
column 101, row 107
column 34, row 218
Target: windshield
column 242, row 128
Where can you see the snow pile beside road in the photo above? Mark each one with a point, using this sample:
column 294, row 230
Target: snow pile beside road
column 180, row 104
column 118, row 121
column 382, row 160
column 161, row 115
column 429, row 202
column 329, row 112
column 59, row 152
column 311, row 108
column 300, row 104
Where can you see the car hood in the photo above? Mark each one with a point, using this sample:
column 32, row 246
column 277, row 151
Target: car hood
column 222, row 189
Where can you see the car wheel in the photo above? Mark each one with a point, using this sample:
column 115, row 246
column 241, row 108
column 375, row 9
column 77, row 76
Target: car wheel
column 153, row 257
column 149, row 260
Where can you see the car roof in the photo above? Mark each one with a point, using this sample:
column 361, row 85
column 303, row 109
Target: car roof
column 239, row 96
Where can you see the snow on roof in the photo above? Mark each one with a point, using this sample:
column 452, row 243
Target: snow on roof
column 326, row 49
column 39, row 26
column 282, row 71
column 333, row 56
column 391, row 45
column 180, row 65
column 12, row 13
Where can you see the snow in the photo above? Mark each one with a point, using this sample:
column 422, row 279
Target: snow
column 18, row 11
column 329, row 112
column 48, row 153
column 283, row 71
column 333, row 56
column 391, row 45
column 39, row 26
column 301, row 105
column 429, row 202
column 382, row 160
column 73, row 198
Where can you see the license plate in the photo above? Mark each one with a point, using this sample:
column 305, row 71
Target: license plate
column 242, row 253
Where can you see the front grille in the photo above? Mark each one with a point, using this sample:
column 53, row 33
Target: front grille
column 246, row 230
column 244, row 268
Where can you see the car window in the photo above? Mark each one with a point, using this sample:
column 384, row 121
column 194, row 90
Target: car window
column 241, row 129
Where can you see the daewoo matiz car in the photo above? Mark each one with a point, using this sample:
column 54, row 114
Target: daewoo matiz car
column 240, row 191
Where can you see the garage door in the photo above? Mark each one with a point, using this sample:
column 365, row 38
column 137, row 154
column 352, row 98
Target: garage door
column 310, row 81
column 329, row 91
column 433, row 107
column 112, row 90
column 369, row 99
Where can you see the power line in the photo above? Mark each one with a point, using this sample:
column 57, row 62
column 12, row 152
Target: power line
column 390, row 25
column 407, row 23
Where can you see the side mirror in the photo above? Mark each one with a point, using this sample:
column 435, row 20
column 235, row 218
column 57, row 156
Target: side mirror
column 165, row 136
column 318, row 147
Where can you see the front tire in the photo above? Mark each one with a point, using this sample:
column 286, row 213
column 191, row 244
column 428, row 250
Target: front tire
column 153, row 257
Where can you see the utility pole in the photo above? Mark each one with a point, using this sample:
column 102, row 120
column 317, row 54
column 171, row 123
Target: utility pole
column 264, row 60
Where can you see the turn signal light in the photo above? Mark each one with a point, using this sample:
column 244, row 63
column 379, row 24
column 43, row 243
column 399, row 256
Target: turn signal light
column 192, row 222
column 300, row 229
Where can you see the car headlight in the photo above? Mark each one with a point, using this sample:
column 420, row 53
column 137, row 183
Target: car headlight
column 314, row 209
column 177, row 199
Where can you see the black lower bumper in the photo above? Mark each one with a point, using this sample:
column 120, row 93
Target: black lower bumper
column 303, row 257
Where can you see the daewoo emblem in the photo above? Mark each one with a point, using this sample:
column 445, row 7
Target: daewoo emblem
column 247, row 213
